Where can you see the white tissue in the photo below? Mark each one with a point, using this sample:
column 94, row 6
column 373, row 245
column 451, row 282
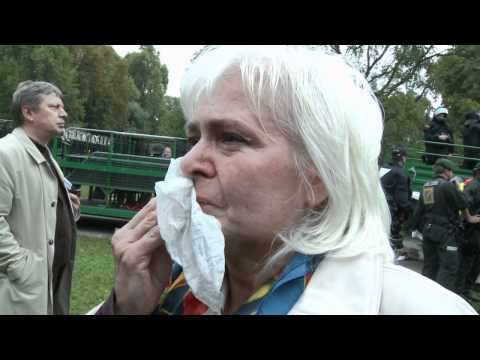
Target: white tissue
column 193, row 239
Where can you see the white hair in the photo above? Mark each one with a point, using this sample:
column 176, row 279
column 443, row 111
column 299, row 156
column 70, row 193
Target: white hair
column 328, row 112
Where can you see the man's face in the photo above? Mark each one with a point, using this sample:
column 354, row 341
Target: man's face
column 48, row 119
column 449, row 174
column 442, row 116
column 167, row 153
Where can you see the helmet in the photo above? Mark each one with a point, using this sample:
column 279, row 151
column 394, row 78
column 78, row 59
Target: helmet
column 442, row 164
column 440, row 110
column 472, row 115
column 398, row 151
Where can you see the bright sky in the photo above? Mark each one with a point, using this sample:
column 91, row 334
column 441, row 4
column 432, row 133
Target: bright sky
column 176, row 57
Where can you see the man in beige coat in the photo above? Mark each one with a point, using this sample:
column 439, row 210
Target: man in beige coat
column 37, row 213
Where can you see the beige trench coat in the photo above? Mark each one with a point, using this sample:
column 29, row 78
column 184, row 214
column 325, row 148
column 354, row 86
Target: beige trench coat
column 28, row 197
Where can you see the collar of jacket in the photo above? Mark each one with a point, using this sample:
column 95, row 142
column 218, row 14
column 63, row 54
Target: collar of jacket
column 344, row 286
column 23, row 138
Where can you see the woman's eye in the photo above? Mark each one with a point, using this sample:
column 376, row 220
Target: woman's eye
column 192, row 140
column 232, row 138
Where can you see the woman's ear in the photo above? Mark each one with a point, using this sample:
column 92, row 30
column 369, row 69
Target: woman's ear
column 317, row 194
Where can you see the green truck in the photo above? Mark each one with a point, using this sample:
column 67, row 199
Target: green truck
column 114, row 172
column 420, row 172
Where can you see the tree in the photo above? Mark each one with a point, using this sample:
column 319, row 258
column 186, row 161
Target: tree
column 52, row 63
column 151, row 80
column 122, row 93
column 136, row 116
column 202, row 51
column 12, row 72
column 404, row 120
column 392, row 68
column 457, row 79
column 398, row 74
column 104, row 85
column 172, row 122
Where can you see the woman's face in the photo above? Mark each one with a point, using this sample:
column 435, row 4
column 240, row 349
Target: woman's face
column 242, row 176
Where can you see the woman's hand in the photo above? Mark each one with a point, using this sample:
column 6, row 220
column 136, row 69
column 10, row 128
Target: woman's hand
column 143, row 265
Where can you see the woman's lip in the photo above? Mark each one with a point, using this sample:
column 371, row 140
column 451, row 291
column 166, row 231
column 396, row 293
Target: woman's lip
column 203, row 202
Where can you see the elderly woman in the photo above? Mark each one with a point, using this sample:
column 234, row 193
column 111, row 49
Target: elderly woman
column 285, row 146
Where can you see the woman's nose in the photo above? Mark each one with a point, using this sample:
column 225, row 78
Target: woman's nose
column 199, row 161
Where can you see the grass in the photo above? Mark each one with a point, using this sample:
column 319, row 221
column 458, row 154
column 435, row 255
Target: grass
column 93, row 273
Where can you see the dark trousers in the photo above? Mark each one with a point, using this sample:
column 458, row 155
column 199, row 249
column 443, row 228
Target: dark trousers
column 469, row 255
column 395, row 229
column 440, row 262
column 62, row 283
column 439, row 150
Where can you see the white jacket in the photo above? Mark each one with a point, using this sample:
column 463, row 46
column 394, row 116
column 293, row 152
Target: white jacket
column 366, row 285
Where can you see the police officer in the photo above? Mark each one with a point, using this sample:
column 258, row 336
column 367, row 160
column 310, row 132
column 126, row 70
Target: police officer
column 438, row 131
column 469, row 249
column 471, row 137
column 438, row 219
column 396, row 185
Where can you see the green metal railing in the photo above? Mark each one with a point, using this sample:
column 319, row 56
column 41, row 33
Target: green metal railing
column 420, row 172
column 116, row 171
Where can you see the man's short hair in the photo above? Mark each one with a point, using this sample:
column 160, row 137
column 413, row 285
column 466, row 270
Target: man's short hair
column 30, row 93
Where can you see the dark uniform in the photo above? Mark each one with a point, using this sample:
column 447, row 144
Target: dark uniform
column 469, row 249
column 471, row 137
column 396, row 185
column 431, row 132
column 438, row 219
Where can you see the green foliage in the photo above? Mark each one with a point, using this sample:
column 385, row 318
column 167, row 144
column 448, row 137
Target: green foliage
column 457, row 78
column 391, row 68
column 102, row 90
column 136, row 116
column 151, row 80
column 398, row 74
column 172, row 122
column 52, row 63
column 104, row 86
column 10, row 73
column 405, row 117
